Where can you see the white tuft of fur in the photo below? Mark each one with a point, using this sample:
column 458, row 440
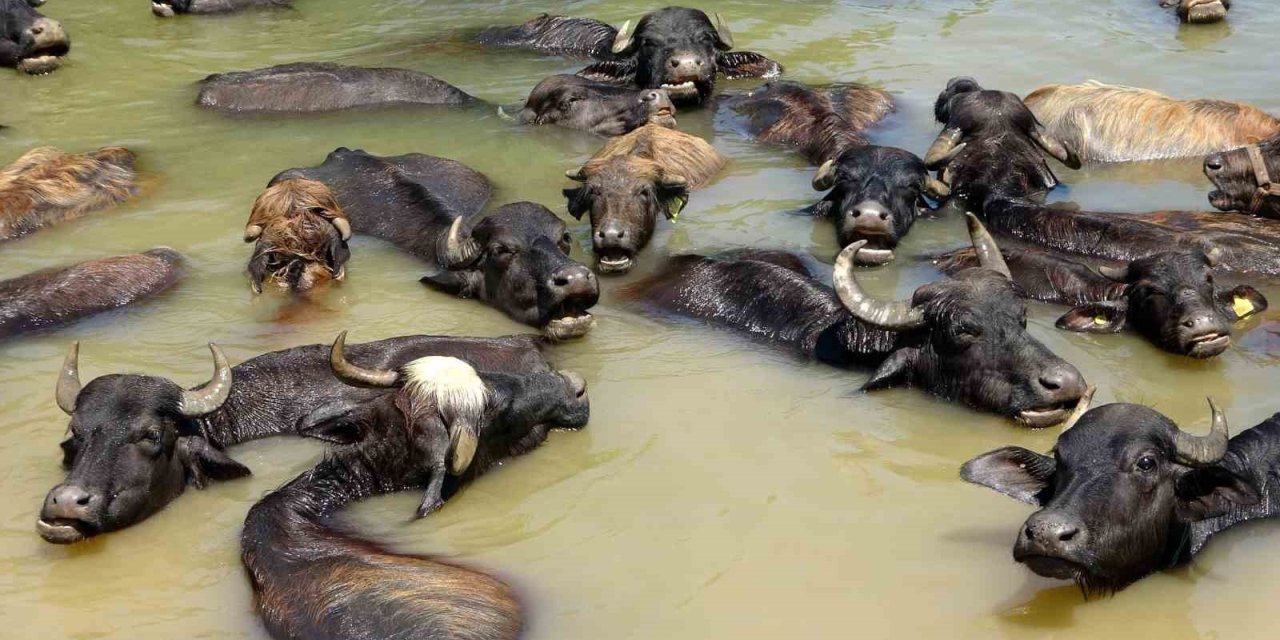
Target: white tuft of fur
column 460, row 396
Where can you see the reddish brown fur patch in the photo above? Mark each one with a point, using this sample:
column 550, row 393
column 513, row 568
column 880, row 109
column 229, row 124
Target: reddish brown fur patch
column 652, row 151
column 1112, row 123
column 296, row 217
column 46, row 186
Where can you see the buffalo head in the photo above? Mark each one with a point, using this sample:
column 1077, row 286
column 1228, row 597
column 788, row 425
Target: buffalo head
column 301, row 236
column 606, row 109
column 1243, row 179
column 29, row 41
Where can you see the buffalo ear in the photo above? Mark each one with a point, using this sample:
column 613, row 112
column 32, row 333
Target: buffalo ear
column 615, row 71
column 577, row 208
column 894, row 371
column 336, row 255
column 1095, row 317
column 204, row 462
column 737, row 65
column 464, row 284
column 1244, row 301
column 1209, row 492
column 69, row 452
column 1016, row 472
column 674, row 199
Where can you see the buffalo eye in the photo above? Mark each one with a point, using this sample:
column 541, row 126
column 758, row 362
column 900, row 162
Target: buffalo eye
column 566, row 242
column 150, row 442
column 501, row 250
column 1208, row 278
column 1146, row 464
column 318, row 210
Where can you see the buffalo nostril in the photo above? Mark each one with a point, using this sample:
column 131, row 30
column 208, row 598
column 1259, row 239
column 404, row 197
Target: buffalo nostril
column 35, row 31
column 1190, row 324
column 884, row 215
column 675, row 64
column 1066, row 534
column 82, row 500
column 1029, row 532
column 561, row 281
column 1051, row 382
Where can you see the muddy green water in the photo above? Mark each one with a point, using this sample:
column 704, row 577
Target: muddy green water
column 721, row 490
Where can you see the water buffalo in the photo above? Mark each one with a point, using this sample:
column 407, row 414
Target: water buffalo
column 819, row 123
column 605, row 109
column 135, row 442
column 1243, row 244
column 963, row 339
column 1243, row 179
column 61, row 295
column 300, row 235
column 1170, row 297
column 309, row 87
column 1126, row 493
column 1113, row 123
column 29, row 41
column 1199, row 11
column 313, row 580
column 630, row 181
column 676, row 49
column 46, row 186
column 990, row 146
column 170, row 8
column 875, row 195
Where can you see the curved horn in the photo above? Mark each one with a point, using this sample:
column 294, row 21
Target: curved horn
column 894, row 316
column 944, row 148
column 1056, row 148
column 825, row 178
column 936, row 188
column 576, row 175
column 1082, row 407
column 723, row 33
column 989, row 256
column 355, row 375
column 1204, row 450
column 622, row 41
column 1118, row 274
column 1214, row 256
column 672, row 181
column 207, row 399
column 343, row 227
column 458, row 252
column 69, row 380
column 252, row 232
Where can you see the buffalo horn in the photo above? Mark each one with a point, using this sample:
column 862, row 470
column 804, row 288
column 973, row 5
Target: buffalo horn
column 69, row 380
column 252, row 232
column 672, row 181
column 825, row 178
column 894, row 316
column 1204, row 450
column 936, row 188
column 723, row 33
column 459, row 252
column 207, row 399
column 576, row 175
column 944, row 148
column 355, row 375
column 343, row 227
column 1118, row 274
column 623, row 40
column 989, row 256
column 1064, row 154
column 1082, row 407
column 1214, row 256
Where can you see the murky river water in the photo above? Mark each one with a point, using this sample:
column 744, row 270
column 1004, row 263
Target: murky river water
column 721, row 490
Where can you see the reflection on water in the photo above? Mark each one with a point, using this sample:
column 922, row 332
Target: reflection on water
column 721, row 490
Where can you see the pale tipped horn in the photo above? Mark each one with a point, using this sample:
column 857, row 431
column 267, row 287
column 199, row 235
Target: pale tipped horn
column 343, row 227
column 936, row 188
column 1208, row 449
column 723, row 33
column 989, row 256
column 825, row 178
column 207, row 399
column 1214, row 256
column 355, row 375
column 622, row 41
column 894, row 316
column 252, row 232
column 1118, row 274
column 944, row 148
column 672, row 181
column 458, row 252
column 576, row 175
column 69, row 380
column 1082, row 407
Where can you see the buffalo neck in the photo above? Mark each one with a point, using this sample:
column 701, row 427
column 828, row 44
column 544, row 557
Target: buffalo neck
column 1255, row 456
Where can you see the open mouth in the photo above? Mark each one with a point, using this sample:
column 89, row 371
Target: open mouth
column 162, row 10
column 613, row 261
column 62, row 530
column 568, row 324
column 685, row 90
column 1208, row 345
column 1045, row 416
column 1051, row 567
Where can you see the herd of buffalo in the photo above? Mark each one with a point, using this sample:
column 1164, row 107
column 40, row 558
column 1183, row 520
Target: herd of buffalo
column 1124, row 493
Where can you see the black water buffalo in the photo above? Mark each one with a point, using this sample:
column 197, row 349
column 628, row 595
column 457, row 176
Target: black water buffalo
column 308, row 87
column 137, row 441
column 963, row 339
column 1199, row 11
column 1127, row 493
column 605, row 109
column 631, row 181
column 875, row 195
column 46, row 186
column 1244, row 179
column 170, row 8
column 60, row 295
column 1170, row 297
column 819, row 123
column 676, row 49
column 29, row 41
column 990, row 146
column 299, row 564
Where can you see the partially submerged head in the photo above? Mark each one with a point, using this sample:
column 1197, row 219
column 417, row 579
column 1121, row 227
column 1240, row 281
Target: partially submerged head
column 1200, row 11
column 300, row 234
column 1245, row 179
column 605, row 109
column 32, row 43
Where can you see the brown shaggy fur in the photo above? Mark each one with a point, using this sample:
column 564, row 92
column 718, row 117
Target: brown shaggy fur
column 654, row 150
column 1112, row 123
column 296, row 218
column 46, row 186
column 820, row 123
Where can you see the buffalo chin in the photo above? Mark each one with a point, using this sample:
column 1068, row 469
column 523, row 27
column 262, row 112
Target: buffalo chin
column 39, row 65
column 1051, row 567
column 873, row 257
column 60, row 531
column 1221, row 200
column 613, row 261
column 573, row 324
column 1207, row 346
column 1043, row 417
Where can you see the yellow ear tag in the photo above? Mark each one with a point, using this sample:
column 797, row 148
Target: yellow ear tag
column 1100, row 320
column 1242, row 306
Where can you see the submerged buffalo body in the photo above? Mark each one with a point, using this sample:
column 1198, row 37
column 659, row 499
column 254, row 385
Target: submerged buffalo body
column 1113, row 123
column 46, row 186
column 963, row 339
column 631, row 181
column 137, row 441
column 29, row 41
column 1170, row 297
column 1245, row 179
column 602, row 108
column 61, row 295
column 1199, row 11
column 990, row 146
column 819, row 123
column 299, row 563
column 676, row 49
column 170, row 8
column 1127, row 493
column 313, row 87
